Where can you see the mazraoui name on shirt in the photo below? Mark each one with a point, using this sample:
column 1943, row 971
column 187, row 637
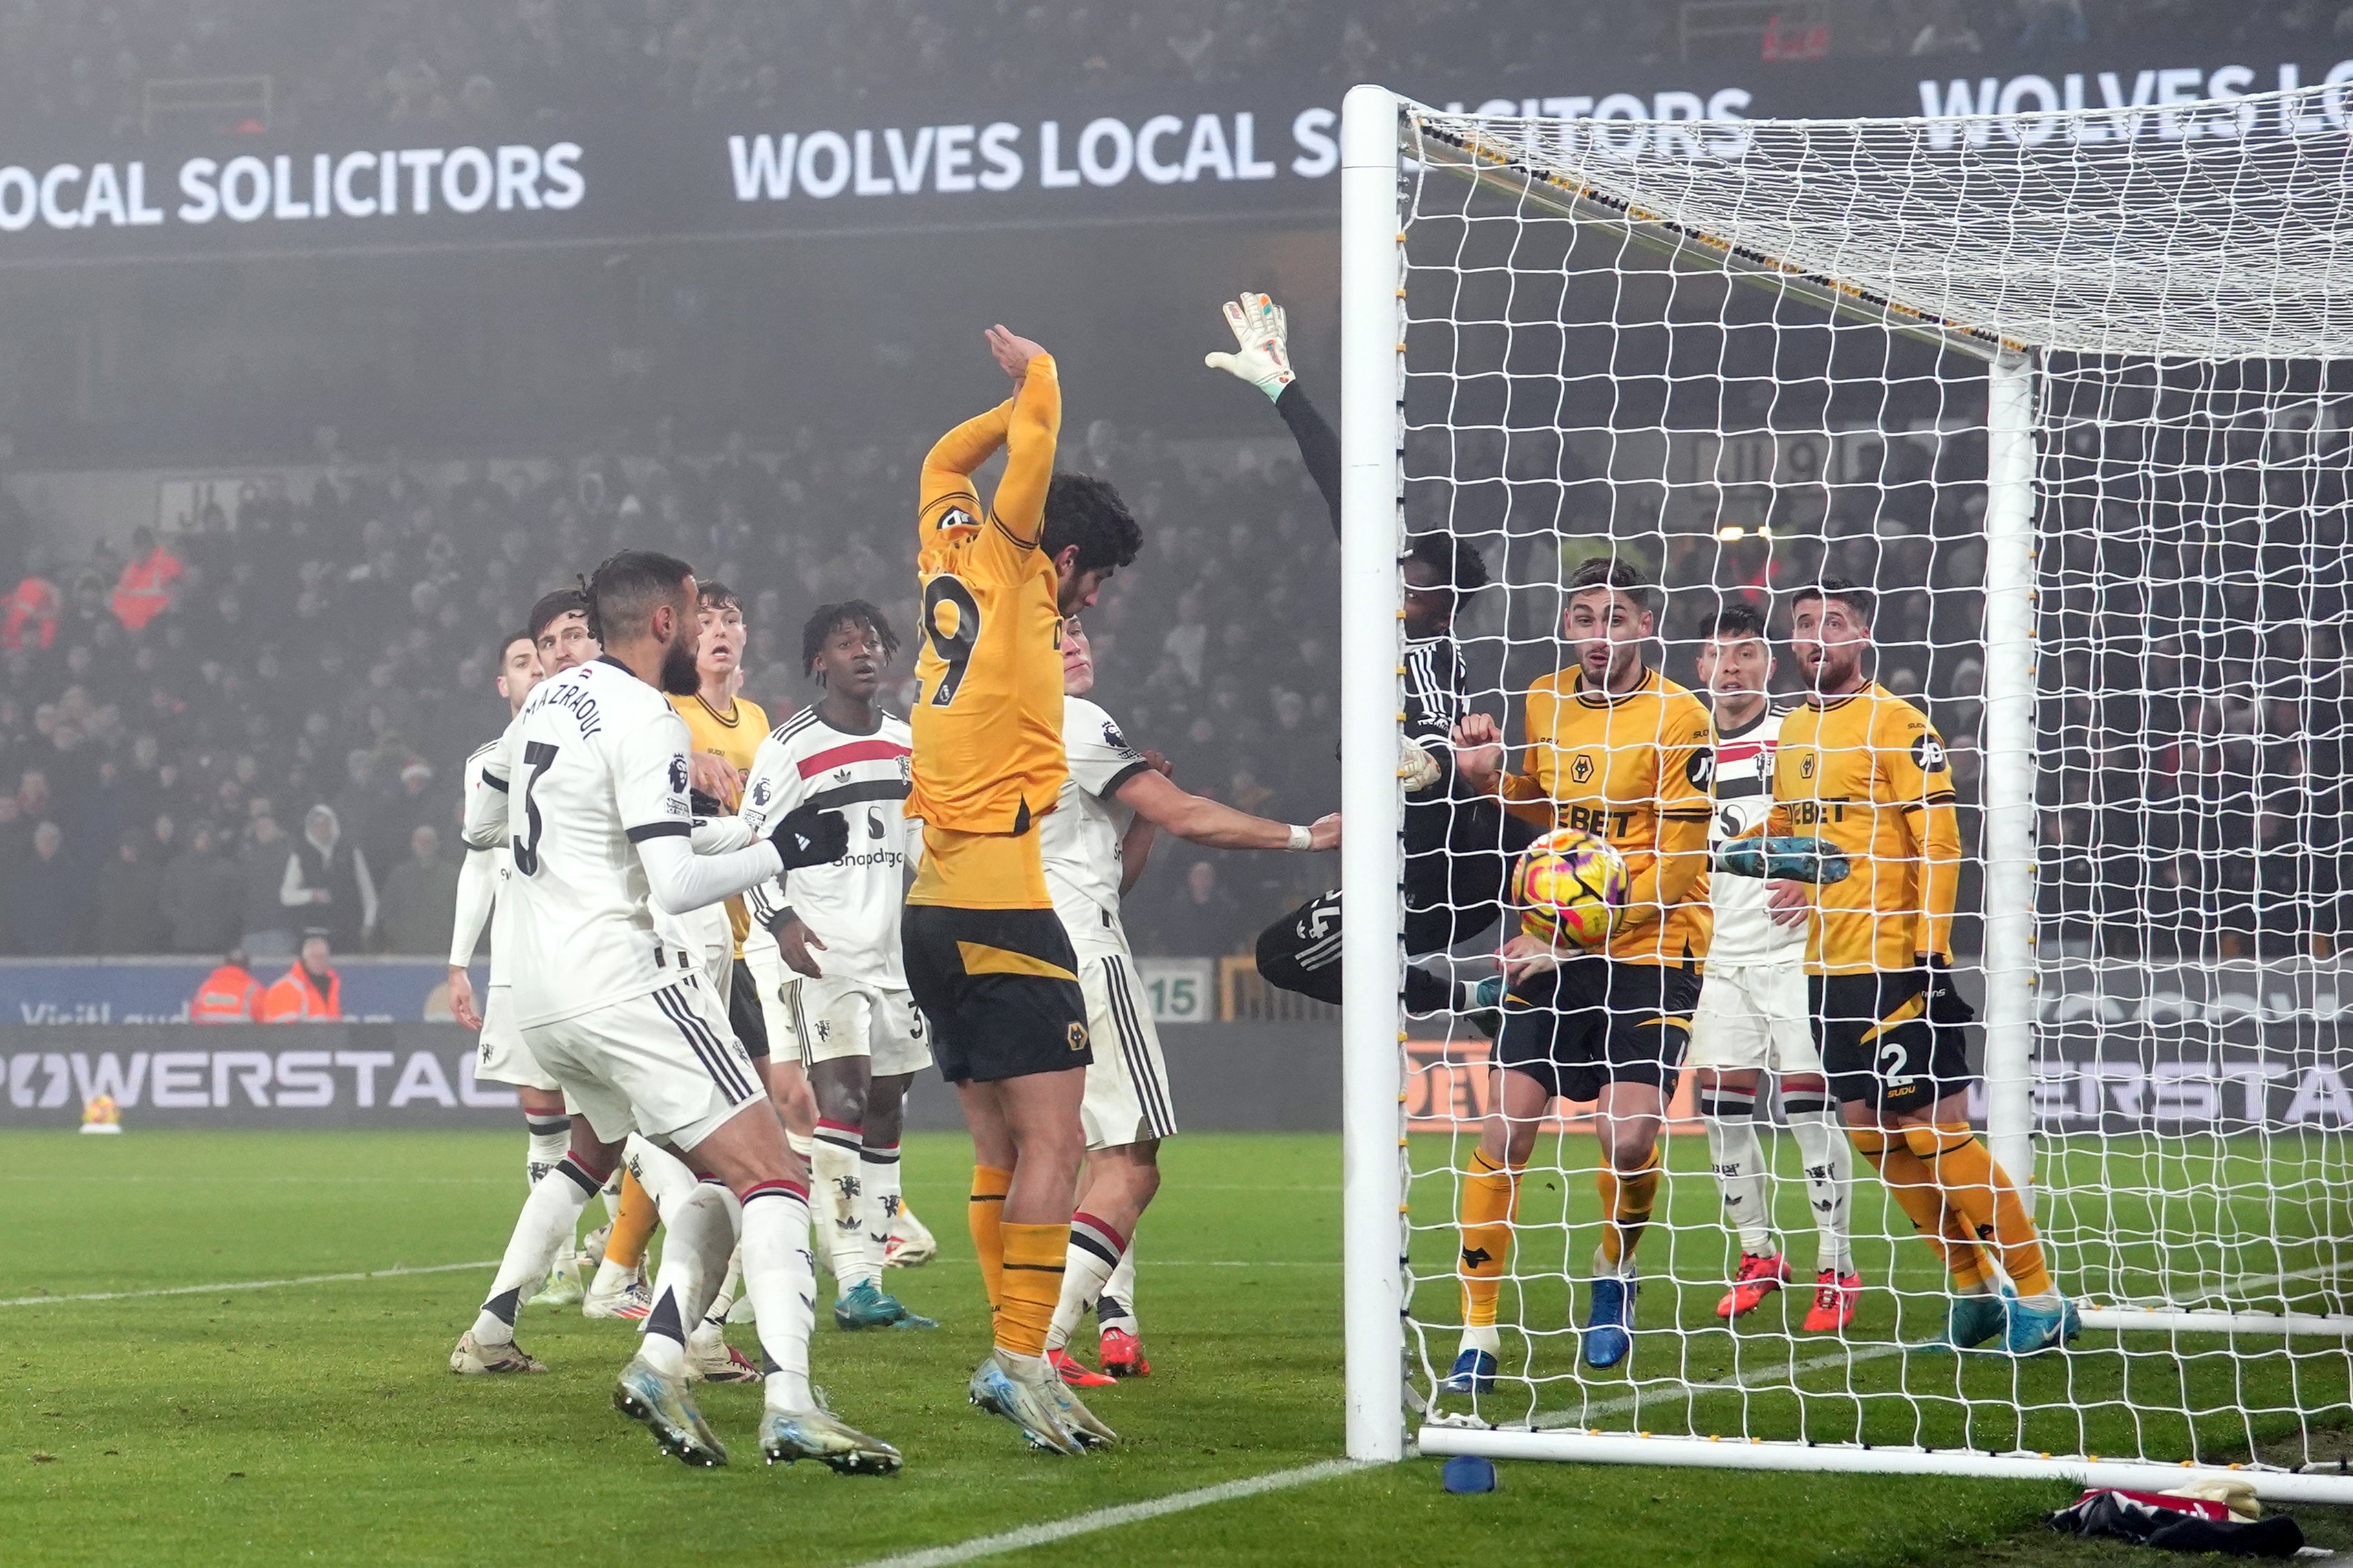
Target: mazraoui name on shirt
column 594, row 764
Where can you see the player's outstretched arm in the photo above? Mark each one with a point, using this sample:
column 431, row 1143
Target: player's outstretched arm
column 1262, row 357
column 1199, row 820
column 955, row 458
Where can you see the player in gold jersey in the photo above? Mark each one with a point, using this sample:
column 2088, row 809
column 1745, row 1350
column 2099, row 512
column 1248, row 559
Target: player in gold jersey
column 1863, row 770
column 988, row 960
column 1618, row 750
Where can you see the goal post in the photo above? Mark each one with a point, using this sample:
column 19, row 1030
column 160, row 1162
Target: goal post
column 2009, row 773
column 1372, row 291
column 2028, row 370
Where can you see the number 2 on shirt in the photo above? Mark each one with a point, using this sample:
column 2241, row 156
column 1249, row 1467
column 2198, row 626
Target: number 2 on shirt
column 537, row 755
column 953, row 648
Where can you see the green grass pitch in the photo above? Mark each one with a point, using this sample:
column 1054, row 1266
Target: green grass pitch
column 318, row 1422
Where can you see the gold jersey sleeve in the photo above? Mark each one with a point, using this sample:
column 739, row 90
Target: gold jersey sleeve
column 1635, row 770
column 987, row 715
column 1869, row 774
column 735, row 736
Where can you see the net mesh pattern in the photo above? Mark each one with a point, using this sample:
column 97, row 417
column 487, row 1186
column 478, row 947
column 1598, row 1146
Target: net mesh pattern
column 1591, row 369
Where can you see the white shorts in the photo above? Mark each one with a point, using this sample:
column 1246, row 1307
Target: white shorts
column 1754, row 1015
column 769, row 978
column 500, row 1056
column 1128, row 1099
column 835, row 1018
column 664, row 1064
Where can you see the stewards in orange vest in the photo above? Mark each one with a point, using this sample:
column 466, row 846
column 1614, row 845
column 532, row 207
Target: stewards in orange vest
column 144, row 589
column 310, row 992
column 230, row 995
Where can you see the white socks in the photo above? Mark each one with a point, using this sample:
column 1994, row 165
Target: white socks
column 548, row 1138
column 1087, row 1268
column 838, row 1169
column 1739, row 1162
column 781, row 1277
column 1830, row 1175
column 701, row 1238
column 1740, row 1170
column 723, row 1300
column 1116, row 1307
column 549, row 1217
column 878, row 1166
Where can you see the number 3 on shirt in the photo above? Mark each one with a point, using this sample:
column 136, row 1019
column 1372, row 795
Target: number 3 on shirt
column 952, row 648
column 536, row 757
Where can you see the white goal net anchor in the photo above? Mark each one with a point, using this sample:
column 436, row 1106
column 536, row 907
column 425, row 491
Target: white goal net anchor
column 2074, row 393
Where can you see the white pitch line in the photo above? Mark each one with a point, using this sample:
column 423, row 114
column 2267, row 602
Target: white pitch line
column 1045, row 1534
column 246, row 1284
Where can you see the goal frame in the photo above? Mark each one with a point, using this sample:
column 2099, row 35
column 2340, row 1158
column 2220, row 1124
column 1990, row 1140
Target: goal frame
column 1378, row 155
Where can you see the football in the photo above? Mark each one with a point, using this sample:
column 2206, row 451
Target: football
column 1568, row 887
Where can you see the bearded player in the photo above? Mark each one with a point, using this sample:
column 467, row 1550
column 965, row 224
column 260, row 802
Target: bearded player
column 1097, row 841
column 988, row 961
column 1864, row 770
column 836, row 966
column 1753, row 1012
column 1615, row 749
column 594, row 776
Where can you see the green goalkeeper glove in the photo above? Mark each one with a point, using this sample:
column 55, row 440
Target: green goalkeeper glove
column 1263, row 358
column 1782, row 859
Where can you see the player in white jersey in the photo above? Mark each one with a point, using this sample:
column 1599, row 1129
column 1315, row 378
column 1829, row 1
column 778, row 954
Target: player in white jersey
column 1095, row 843
column 594, row 773
column 831, row 973
column 1752, row 1013
column 501, row 1056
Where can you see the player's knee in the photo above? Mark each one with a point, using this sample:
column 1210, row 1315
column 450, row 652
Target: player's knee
column 1509, row 1142
column 886, row 1116
column 1279, row 951
column 1143, row 1172
column 1922, row 1139
column 1628, row 1144
column 843, row 1098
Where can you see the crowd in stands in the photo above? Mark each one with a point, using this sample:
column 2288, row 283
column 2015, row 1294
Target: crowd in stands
column 87, row 64
column 252, row 727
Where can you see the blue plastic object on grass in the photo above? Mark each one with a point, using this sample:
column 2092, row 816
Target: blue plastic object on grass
column 1469, row 1473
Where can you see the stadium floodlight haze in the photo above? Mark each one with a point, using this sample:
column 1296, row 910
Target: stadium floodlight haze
column 2119, row 334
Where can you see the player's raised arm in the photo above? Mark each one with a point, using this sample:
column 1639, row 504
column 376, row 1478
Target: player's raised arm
column 1262, row 357
column 1019, row 509
column 947, row 482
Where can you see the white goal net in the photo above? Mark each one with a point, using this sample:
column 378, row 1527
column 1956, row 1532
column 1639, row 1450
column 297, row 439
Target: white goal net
column 2066, row 393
